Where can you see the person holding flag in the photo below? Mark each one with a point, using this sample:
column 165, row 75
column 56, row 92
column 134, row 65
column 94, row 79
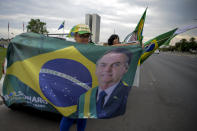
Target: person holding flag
column 81, row 34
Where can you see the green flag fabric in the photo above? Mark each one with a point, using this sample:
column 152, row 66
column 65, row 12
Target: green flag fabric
column 179, row 31
column 155, row 43
column 136, row 35
column 163, row 39
column 53, row 74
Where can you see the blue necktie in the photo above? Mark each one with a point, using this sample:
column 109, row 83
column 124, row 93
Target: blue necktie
column 100, row 102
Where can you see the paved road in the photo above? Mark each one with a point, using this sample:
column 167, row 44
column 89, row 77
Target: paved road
column 165, row 101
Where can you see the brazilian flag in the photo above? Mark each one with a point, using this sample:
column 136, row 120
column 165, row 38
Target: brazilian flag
column 140, row 26
column 155, row 43
column 163, row 39
column 51, row 74
column 138, row 30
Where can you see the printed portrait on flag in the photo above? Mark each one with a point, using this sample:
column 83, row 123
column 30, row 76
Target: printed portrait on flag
column 109, row 98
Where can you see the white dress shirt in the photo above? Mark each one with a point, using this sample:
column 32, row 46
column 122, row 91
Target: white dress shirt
column 108, row 91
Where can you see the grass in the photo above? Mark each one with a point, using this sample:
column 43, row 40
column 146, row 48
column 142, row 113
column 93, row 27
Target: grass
column 2, row 57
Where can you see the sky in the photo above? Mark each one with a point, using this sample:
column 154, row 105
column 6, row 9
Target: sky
column 119, row 16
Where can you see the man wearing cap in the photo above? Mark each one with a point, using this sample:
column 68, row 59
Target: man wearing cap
column 81, row 34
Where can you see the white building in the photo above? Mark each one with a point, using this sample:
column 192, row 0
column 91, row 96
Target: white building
column 93, row 20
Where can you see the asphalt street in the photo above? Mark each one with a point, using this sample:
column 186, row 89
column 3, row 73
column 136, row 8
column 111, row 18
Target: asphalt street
column 165, row 101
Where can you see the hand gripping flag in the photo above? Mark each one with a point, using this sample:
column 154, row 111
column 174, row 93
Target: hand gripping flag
column 45, row 70
column 61, row 26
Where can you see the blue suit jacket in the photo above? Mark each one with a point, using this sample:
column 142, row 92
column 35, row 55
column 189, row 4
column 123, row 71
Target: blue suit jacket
column 115, row 106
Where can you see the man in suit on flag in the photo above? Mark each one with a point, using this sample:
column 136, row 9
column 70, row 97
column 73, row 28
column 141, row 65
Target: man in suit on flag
column 110, row 97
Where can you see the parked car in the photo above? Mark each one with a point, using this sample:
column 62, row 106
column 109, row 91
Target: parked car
column 157, row 51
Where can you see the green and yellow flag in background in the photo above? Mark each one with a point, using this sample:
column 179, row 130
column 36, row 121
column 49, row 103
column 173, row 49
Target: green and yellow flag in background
column 136, row 35
column 163, row 39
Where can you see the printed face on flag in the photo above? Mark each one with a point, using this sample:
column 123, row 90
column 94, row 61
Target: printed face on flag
column 111, row 68
column 109, row 98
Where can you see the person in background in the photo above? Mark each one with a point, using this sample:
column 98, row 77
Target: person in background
column 81, row 34
column 113, row 40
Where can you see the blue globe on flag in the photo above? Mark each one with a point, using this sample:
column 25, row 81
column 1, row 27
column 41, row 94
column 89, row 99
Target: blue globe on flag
column 62, row 81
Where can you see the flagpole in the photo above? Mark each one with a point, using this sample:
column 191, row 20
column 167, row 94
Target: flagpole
column 23, row 27
column 62, row 26
column 63, row 33
column 63, row 29
column 8, row 31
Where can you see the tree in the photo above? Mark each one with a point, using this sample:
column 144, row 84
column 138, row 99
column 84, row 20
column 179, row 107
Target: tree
column 183, row 41
column 193, row 43
column 183, row 45
column 192, row 39
column 36, row 26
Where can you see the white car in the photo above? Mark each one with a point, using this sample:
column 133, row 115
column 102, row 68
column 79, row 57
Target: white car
column 157, row 51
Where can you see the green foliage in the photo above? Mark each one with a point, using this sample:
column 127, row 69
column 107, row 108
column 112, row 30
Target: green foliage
column 183, row 46
column 36, row 26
